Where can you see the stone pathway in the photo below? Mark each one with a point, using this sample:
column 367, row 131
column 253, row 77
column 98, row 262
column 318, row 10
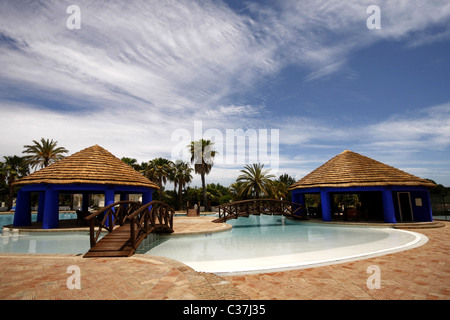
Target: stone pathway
column 420, row 273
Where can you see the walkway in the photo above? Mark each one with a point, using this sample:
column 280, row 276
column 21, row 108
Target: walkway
column 420, row 273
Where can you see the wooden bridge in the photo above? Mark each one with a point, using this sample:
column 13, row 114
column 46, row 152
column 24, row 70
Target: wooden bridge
column 128, row 223
column 244, row 208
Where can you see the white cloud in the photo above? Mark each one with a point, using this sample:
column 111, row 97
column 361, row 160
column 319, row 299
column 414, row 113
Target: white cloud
column 137, row 71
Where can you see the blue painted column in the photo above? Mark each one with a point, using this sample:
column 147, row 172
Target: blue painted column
column 430, row 211
column 388, row 206
column 22, row 215
column 326, row 205
column 147, row 196
column 298, row 197
column 40, row 213
column 109, row 197
column 51, row 209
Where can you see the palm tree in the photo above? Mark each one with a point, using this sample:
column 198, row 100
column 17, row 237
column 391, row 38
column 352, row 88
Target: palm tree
column 283, row 184
column 235, row 190
column 44, row 153
column 13, row 168
column 131, row 162
column 202, row 156
column 158, row 170
column 256, row 181
column 182, row 175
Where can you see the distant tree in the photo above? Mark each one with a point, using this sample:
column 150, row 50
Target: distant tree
column 235, row 191
column 217, row 194
column 158, row 170
column 286, row 179
column 256, row 181
column 131, row 162
column 13, row 169
column 181, row 176
column 439, row 189
column 43, row 153
column 282, row 186
column 3, row 186
column 202, row 156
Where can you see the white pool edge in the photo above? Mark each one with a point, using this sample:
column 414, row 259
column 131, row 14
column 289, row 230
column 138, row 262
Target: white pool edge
column 419, row 240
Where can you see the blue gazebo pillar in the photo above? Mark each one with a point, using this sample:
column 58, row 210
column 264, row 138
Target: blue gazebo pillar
column 388, row 206
column 109, row 197
column 429, row 215
column 147, row 196
column 51, row 209
column 22, row 215
column 326, row 205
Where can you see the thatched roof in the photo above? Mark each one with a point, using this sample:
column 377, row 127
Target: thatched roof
column 93, row 165
column 350, row 169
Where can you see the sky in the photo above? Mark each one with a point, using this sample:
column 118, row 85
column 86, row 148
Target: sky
column 289, row 84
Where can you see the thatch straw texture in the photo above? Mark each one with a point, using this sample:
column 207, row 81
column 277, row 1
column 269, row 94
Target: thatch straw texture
column 350, row 169
column 93, row 165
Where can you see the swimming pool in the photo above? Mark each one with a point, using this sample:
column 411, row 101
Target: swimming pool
column 260, row 243
column 254, row 244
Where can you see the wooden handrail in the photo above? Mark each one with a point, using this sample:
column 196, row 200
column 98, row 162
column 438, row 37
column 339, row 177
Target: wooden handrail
column 143, row 220
column 235, row 209
column 111, row 216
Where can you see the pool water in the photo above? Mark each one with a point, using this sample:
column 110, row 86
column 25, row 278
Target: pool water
column 254, row 244
column 8, row 218
column 61, row 242
column 43, row 242
column 274, row 242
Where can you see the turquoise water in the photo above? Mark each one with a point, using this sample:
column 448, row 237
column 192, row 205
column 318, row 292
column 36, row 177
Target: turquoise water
column 254, row 243
column 8, row 218
column 260, row 236
column 62, row 242
column 270, row 242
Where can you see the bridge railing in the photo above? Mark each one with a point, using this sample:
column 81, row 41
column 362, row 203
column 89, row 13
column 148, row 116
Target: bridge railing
column 155, row 216
column 241, row 208
column 110, row 216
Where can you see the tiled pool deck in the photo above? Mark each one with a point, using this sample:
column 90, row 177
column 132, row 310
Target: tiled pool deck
column 420, row 273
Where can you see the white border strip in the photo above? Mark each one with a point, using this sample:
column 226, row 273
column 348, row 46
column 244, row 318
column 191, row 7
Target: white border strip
column 226, row 267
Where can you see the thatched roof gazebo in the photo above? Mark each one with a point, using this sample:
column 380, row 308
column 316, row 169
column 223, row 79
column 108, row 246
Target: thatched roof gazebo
column 92, row 170
column 385, row 192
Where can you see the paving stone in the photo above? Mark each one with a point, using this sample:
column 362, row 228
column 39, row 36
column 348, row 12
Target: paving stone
column 421, row 273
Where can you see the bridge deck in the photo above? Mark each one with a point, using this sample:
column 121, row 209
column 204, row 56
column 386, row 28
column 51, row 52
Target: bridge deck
column 136, row 222
column 116, row 244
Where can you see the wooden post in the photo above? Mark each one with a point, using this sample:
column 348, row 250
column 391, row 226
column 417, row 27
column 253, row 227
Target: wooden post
column 91, row 231
column 132, row 233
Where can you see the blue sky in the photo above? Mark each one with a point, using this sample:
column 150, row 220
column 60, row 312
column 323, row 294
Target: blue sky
column 309, row 72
